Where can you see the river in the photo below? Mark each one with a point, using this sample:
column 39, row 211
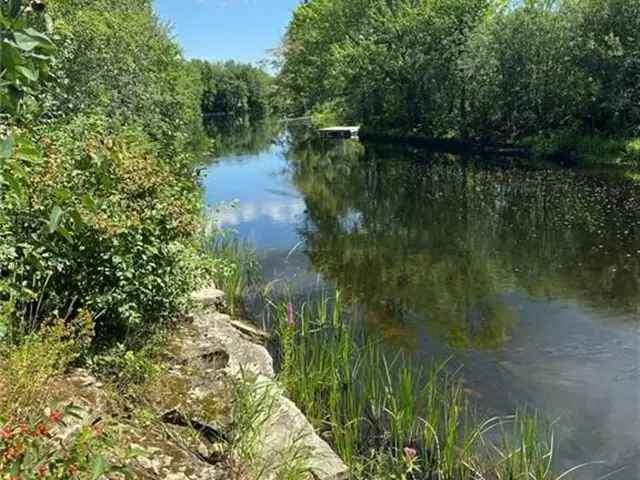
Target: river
column 527, row 276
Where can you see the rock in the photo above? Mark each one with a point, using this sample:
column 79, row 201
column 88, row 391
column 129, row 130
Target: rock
column 196, row 391
column 218, row 359
column 251, row 331
column 286, row 434
column 244, row 355
column 211, row 298
column 211, row 432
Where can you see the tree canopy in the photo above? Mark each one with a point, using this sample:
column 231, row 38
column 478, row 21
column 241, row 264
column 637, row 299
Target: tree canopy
column 492, row 69
column 234, row 90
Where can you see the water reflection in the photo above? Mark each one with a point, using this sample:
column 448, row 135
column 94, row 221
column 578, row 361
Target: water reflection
column 529, row 277
column 239, row 136
column 445, row 239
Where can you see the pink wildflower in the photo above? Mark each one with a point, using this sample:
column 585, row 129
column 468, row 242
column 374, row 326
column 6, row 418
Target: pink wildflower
column 410, row 452
column 290, row 315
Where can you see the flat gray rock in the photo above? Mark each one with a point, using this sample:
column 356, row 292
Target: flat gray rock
column 216, row 333
column 287, row 436
column 211, row 298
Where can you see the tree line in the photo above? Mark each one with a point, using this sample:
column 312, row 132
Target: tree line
column 483, row 69
column 234, row 90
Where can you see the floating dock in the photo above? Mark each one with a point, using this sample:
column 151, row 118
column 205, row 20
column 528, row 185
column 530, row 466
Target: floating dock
column 341, row 132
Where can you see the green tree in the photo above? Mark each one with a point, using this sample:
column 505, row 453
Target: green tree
column 481, row 69
column 234, row 90
column 107, row 218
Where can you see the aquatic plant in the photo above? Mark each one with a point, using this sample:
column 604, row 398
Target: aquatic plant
column 233, row 261
column 388, row 418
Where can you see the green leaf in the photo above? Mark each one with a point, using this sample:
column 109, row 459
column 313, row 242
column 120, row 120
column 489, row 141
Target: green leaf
column 15, row 186
column 54, row 219
column 48, row 22
column 99, row 468
column 27, row 42
column 28, row 73
column 39, row 36
column 14, row 7
column 64, row 233
column 28, row 153
column 10, row 57
column 89, row 203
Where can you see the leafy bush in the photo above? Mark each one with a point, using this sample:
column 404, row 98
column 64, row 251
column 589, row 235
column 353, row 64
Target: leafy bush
column 103, row 215
column 26, row 53
column 127, row 369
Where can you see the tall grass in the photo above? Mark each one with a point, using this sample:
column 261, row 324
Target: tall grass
column 254, row 402
column 235, row 265
column 388, row 418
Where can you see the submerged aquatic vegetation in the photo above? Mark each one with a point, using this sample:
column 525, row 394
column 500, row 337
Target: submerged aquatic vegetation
column 388, row 418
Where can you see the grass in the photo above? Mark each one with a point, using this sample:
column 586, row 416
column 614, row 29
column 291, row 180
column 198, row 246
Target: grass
column 29, row 368
column 388, row 418
column 253, row 405
column 234, row 264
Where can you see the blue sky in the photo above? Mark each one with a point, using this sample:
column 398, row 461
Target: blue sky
column 240, row 30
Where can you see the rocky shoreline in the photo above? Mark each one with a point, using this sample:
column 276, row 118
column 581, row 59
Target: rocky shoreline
column 208, row 359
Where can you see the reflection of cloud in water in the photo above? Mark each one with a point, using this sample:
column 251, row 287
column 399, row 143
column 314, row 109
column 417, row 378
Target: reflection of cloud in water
column 276, row 211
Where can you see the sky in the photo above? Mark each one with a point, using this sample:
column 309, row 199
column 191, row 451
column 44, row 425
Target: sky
column 241, row 30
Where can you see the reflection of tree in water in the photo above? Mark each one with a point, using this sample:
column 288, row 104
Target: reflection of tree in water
column 233, row 136
column 444, row 239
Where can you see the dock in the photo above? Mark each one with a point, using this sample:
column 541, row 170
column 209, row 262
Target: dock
column 341, row 132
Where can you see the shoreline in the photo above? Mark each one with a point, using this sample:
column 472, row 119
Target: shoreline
column 577, row 151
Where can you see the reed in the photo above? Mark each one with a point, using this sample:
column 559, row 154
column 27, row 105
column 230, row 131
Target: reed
column 388, row 418
column 235, row 267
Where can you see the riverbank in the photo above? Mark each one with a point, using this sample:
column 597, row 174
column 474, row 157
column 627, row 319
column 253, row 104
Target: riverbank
column 203, row 405
column 567, row 150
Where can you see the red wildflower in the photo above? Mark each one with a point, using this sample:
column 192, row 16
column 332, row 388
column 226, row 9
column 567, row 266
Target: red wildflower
column 42, row 430
column 56, row 416
column 11, row 454
column 7, row 434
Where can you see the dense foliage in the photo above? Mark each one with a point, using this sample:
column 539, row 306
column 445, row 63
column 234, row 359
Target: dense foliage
column 99, row 200
column 234, row 90
column 492, row 69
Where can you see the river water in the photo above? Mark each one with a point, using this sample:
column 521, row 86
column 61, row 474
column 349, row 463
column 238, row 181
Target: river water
column 528, row 277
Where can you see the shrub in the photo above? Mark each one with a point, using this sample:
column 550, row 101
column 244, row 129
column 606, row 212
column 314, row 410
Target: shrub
column 103, row 214
column 28, row 369
column 118, row 239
